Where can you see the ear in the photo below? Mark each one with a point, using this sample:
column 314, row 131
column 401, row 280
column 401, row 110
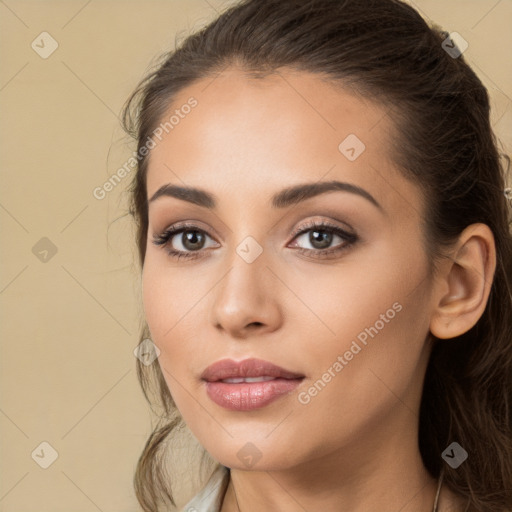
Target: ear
column 464, row 283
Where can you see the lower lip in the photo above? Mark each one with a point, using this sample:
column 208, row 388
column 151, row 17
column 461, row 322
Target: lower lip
column 247, row 396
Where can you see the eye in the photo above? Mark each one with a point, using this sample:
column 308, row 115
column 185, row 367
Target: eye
column 192, row 240
column 321, row 235
column 188, row 245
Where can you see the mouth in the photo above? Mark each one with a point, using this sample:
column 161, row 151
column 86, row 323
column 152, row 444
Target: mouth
column 248, row 384
column 246, row 369
column 238, row 380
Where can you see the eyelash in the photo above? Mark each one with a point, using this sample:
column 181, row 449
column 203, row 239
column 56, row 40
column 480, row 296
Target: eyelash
column 164, row 238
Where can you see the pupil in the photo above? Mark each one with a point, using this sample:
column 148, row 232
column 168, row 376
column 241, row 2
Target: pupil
column 191, row 239
column 327, row 238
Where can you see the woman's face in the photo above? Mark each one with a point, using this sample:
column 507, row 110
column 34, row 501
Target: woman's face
column 346, row 310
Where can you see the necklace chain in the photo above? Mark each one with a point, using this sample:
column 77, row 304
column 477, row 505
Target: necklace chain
column 434, row 507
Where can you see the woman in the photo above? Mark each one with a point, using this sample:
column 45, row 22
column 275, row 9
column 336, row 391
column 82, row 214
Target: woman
column 326, row 264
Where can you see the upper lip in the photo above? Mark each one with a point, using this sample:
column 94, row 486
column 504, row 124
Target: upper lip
column 228, row 368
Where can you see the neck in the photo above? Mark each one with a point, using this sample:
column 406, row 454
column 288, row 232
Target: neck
column 381, row 472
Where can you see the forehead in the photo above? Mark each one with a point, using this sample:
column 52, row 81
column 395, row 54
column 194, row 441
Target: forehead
column 267, row 132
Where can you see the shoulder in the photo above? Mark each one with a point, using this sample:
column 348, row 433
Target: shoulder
column 451, row 502
column 209, row 499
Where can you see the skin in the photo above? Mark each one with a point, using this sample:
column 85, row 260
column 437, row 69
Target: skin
column 353, row 447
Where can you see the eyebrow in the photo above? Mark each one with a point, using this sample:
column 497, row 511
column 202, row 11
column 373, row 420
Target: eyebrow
column 283, row 199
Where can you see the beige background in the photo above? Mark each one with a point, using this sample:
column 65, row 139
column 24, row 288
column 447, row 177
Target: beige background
column 69, row 325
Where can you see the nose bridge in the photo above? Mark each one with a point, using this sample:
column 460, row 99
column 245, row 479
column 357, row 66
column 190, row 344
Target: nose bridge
column 248, row 258
column 245, row 295
column 245, row 281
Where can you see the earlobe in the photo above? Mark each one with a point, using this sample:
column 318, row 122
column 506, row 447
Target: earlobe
column 464, row 287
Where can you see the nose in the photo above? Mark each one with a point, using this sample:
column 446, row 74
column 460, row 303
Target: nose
column 246, row 300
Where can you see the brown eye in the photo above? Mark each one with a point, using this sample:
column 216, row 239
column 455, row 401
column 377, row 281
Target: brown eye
column 321, row 236
column 188, row 245
column 192, row 240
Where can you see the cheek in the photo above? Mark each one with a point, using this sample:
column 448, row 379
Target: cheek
column 378, row 356
column 370, row 372
column 341, row 301
column 375, row 317
column 174, row 306
column 170, row 297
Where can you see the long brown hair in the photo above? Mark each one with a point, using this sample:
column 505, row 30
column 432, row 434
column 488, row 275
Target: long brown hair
column 387, row 52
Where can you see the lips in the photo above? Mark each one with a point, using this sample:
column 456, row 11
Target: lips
column 249, row 384
column 248, row 370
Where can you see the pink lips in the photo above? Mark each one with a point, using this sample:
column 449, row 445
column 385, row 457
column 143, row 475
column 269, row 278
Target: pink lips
column 273, row 382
